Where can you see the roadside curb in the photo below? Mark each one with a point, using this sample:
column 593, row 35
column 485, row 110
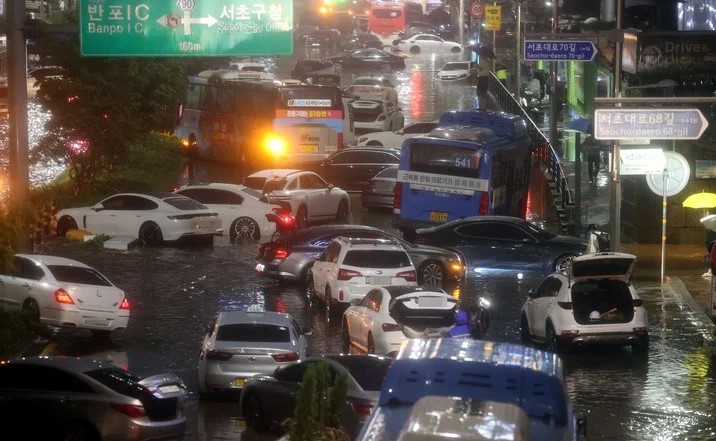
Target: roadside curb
column 677, row 288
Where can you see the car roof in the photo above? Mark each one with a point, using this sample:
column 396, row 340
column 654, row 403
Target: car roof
column 264, row 317
column 321, row 230
column 280, row 172
column 366, row 242
column 368, row 148
column 399, row 290
column 72, row 364
column 53, row 260
column 220, row 185
column 508, row 219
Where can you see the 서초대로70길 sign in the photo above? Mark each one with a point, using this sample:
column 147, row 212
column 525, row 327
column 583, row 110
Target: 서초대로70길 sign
column 186, row 27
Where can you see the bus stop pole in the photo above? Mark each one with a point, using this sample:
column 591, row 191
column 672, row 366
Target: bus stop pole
column 615, row 187
column 461, row 22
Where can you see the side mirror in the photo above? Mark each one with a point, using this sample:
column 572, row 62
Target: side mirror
column 355, row 302
column 307, row 331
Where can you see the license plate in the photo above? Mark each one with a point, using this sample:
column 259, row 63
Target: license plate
column 239, row 382
column 430, row 302
column 309, row 148
column 438, row 216
column 377, row 280
column 169, row 389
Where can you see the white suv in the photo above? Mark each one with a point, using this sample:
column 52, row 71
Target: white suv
column 350, row 267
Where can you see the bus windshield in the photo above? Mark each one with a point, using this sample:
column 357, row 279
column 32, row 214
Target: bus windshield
column 445, row 159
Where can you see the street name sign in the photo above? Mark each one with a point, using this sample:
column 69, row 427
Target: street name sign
column 559, row 50
column 139, row 28
column 651, row 123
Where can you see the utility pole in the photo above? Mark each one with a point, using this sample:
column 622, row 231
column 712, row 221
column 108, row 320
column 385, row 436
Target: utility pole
column 461, row 22
column 615, row 189
column 553, row 138
column 17, row 109
column 518, row 35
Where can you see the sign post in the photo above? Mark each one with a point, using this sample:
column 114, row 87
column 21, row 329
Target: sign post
column 559, row 50
column 652, row 123
column 185, row 28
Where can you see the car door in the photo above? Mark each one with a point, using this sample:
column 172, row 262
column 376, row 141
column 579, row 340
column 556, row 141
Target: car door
column 18, row 284
column 516, row 248
column 301, row 340
column 321, row 204
column 354, row 321
column 102, row 217
column 370, row 315
column 543, row 303
column 134, row 212
column 475, row 241
column 339, row 169
column 323, row 265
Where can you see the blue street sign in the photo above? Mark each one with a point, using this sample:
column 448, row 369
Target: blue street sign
column 652, row 123
column 559, row 50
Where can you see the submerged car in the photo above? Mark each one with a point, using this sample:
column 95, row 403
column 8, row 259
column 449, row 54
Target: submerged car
column 594, row 303
column 369, row 59
column 69, row 398
column 457, row 70
column 375, row 116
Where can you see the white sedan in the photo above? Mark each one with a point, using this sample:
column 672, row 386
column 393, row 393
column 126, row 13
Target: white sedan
column 240, row 208
column 595, row 303
column 380, row 322
column 311, row 198
column 375, row 116
column 427, row 43
column 396, row 138
column 64, row 292
column 373, row 88
column 151, row 218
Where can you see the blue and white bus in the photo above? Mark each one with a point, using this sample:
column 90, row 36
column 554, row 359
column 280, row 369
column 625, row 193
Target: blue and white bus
column 475, row 162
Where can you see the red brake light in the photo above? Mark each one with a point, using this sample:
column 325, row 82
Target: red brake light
column 641, row 331
column 285, row 356
column 344, row 274
column 389, row 327
column 484, row 203
column 362, row 409
column 124, row 304
column 218, row 355
column 280, row 253
column 565, row 305
column 61, row 296
column 131, row 410
column 410, row 276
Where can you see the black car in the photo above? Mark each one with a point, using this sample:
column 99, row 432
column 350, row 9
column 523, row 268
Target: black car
column 504, row 244
column 352, row 168
column 375, row 59
column 289, row 257
column 323, row 38
column 361, row 41
column 307, row 68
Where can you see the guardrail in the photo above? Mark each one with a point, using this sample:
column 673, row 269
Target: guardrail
column 542, row 150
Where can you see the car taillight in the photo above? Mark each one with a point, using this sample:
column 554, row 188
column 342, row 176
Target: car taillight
column 410, row 276
column 397, row 197
column 381, row 118
column 285, row 356
column 61, row 296
column 641, row 331
column 484, row 203
column 280, row 253
column 344, row 274
column 124, row 304
column 131, row 410
column 362, row 409
column 390, row 327
column 637, row 302
column 565, row 305
column 218, row 355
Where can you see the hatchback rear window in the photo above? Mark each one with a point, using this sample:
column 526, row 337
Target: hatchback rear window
column 78, row 274
column 184, row 203
column 377, row 259
column 254, row 333
column 255, row 182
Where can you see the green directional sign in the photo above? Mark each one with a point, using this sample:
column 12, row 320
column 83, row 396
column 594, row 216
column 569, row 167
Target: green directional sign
column 186, row 27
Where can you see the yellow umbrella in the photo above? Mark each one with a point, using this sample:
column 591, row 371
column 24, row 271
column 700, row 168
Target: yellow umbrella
column 700, row 200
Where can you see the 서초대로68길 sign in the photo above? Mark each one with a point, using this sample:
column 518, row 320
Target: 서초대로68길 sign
column 186, row 27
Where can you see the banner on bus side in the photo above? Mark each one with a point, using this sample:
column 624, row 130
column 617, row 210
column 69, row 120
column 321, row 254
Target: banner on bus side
column 442, row 183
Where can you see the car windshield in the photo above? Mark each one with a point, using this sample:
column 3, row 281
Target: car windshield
column 253, row 332
column 368, row 372
column 377, row 259
column 184, row 203
column 255, row 182
column 78, row 274
column 456, row 66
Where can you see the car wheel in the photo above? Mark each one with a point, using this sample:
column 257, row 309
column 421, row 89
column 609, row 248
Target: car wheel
column 342, row 212
column 253, row 414
column 432, row 273
column 80, row 432
column 32, row 308
column 371, row 345
column 455, row 50
column 553, row 344
column 525, row 336
column 562, row 262
column 310, row 289
column 301, row 217
column 327, row 301
column 64, row 225
column 374, row 144
column 642, row 346
column 150, row 235
column 415, row 50
column 345, row 338
column 245, row 228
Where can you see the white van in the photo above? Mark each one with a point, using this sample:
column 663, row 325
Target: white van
column 436, row 418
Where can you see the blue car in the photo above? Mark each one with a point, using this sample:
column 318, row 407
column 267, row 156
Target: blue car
column 504, row 244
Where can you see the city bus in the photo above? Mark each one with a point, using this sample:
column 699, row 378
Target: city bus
column 475, row 162
column 386, row 19
column 238, row 117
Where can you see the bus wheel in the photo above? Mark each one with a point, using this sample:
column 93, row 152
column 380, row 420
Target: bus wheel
column 415, row 50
